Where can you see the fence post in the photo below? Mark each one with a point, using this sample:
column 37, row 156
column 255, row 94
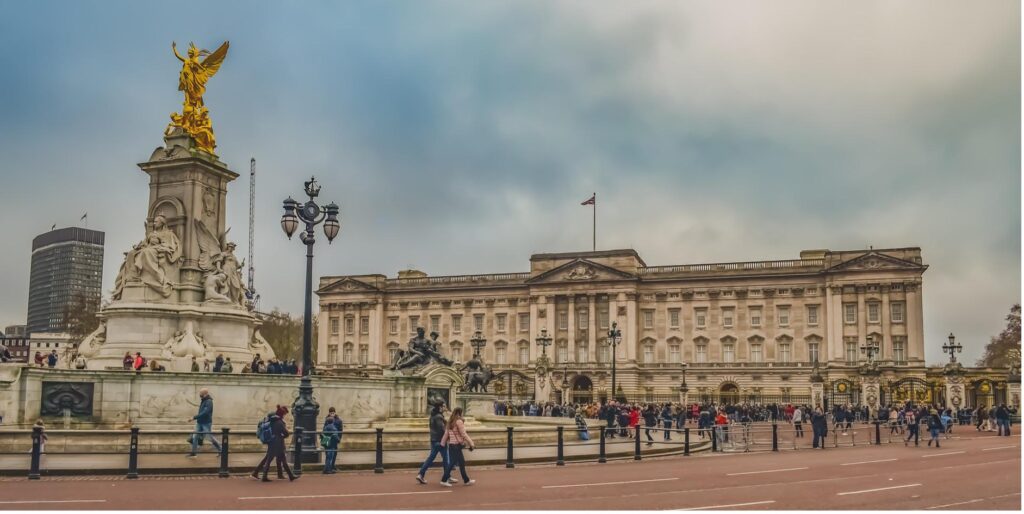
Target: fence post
column 686, row 441
column 225, row 433
column 509, row 462
column 636, row 447
column 878, row 432
column 37, row 441
column 600, row 456
column 133, row 455
column 775, row 437
column 378, row 466
column 714, row 439
column 561, row 452
column 297, row 461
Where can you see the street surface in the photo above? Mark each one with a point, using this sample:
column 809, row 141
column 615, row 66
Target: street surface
column 976, row 471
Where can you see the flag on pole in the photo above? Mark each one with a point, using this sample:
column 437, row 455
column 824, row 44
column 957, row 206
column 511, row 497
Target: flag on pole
column 86, row 215
column 591, row 201
column 54, row 227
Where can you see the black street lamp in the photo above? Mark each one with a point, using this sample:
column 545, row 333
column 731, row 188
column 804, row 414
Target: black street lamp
column 544, row 341
column 870, row 348
column 952, row 348
column 614, row 338
column 477, row 342
column 305, row 410
column 565, row 384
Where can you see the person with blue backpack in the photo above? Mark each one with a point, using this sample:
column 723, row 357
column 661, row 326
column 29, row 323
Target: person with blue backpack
column 330, row 438
column 273, row 432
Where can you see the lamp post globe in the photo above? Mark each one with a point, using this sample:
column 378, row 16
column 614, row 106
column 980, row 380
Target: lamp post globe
column 305, row 409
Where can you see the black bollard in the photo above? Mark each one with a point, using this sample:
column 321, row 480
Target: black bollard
column 224, row 435
column 378, row 466
column 509, row 462
column 878, row 432
column 600, row 456
column 714, row 439
column 297, row 464
column 133, row 455
column 775, row 437
column 561, row 452
column 686, row 442
column 636, row 447
column 37, row 441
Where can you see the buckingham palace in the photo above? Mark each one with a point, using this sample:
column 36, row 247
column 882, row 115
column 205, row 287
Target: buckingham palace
column 739, row 331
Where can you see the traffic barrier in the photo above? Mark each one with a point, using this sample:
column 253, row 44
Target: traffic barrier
column 225, row 434
column 37, row 441
column 509, row 461
column 560, row 460
column 133, row 455
column 636, row 445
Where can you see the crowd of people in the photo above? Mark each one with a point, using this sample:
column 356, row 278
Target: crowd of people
column 271, row 366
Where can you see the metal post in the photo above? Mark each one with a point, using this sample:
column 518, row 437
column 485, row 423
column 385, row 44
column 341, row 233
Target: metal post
column 686, row 441
column 225, row 433
column 378, row 466
column 509, row 462
column 600, row 456
column 37, row 441
column 878, row 432
column 133, row 455
column 714, row 439
column 561, row 451
column 775, row 437
column 297, row 461
column 636, row 447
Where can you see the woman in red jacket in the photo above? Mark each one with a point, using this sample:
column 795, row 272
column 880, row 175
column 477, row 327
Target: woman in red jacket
column 634, row 419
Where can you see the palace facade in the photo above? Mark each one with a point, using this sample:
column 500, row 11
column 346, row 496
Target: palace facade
column 743, row 331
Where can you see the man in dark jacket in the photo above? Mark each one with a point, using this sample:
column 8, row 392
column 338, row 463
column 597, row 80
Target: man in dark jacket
column 819, row 425
column 276, row 447
column 204, row 423
column 650, row 422
column 611, row 413
column 437, row 427
column 1003, row 419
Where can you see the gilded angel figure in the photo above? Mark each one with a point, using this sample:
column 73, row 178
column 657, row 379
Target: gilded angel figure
column 192, row 81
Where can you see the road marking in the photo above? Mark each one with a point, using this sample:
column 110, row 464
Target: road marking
column 941, row 454
column 609, row 483
column 765, row 502
column 998, row 448
column 954, row 504
column 867, row 462
column 300, row 496
column 765, row 471
column 876, row 490
column 29, row 502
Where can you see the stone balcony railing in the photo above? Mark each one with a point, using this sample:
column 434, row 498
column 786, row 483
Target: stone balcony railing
column 457, row 280
column 733, row 266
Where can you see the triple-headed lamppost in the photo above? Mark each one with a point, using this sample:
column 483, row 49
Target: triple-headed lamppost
column 305, row 409
column 614, row 338
column 952, row 348
column 870, row 348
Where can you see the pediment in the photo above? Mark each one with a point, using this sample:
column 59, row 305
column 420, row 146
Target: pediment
column 346, row 285
column 581, row 270
column 874, row 261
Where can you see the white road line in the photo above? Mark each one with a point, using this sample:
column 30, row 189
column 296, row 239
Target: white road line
column 876, row 490
column 765, row 471
column 336, row 495
column 942, row 454
column 954, row 504
column 609, row 483
column 998, row 448
column 866, row 462
column 30, row 502
column 765, row 502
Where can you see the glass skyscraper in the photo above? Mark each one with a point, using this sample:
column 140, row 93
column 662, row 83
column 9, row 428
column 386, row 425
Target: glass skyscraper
column 67, row 267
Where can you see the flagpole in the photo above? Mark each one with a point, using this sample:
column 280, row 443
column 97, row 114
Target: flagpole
column 595, row 222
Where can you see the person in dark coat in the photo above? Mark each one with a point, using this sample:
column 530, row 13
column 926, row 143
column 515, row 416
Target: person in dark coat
column 650, row 422
column 437, row 428
column 276, row 447
column 819, row 426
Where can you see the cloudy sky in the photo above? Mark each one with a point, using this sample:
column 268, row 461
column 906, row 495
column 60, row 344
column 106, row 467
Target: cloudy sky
column 460, row 137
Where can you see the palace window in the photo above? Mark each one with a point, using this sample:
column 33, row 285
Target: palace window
column 648, row 354
column 346, row 356
column 364, row 354
column 563, row 320
column 456, row 323
column 582, row 319
column 702, row 353
column 350, row 325
column 728, row 352
column 899, row 350
column 332, row 354
column 524, row 353
column 392, row 353
column 499, row 354
column 602, row 318
column 673, row 354
column 812, row 352
column 783, row 312
column 364, row 325
column 562, row 354
column 648, row 318
column 896, row 312
column 581, row 353
column 873, row 312
column 414, row 323
column 851, row 352
column 673, row 318
column 812, row 314
column 524, row 322
column 785, row 352
column 502, row 321
column 755, row 353
column 392, row 325
column 727, row 317
column 701, row 317
column 334, row 325
column 478, row 322
column 850, row 313
column 456, row 352
column 755, row 317
column 435, row 324
column 604, row 353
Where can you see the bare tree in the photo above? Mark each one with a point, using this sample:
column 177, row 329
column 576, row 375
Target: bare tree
column 999, row 352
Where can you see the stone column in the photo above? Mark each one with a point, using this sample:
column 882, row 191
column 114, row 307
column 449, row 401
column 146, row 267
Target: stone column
column 571, row 313
column 377, row 333
column 323, row 334
column 629, row 331
column 862, row 319
column 833, row 346
column 885, row 347
column 915, row 323
column 592, row 329
column 534, row 328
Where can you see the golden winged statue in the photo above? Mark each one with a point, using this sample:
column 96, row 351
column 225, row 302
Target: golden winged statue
column 195, row 118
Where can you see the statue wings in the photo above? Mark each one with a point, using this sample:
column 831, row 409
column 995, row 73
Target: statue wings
column 213, row 61
column 210, row 245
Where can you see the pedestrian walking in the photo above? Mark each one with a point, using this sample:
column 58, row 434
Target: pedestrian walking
column 437, row 430
column 204, row 423
column 666, row 420
column 912, row 427
column 456, row 439
column 819, row 427
column 934, row 427
column 275, row 440
column 650, row 422
column 1003, row 420
column 797, row 417
column 330, row 438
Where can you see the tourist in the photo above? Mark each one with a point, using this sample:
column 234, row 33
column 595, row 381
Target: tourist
column 797, row 417
column 912, row 427
column 206, row 365
column 276, row 447
column 819, row 427
column 455, row 439
column 226, row 367
column 934, row 427
column 51, row 360
column 218, row 363
column 79, row 361
column 195, row 365
column 204, row 423
column 127, row 362
column 330, row 437
column 722, row 428
column 666, row 421
column 650, row 422
column 1003, row 420
column 39, row 360
column 437, row 429
column 138, row 362
column 156, row 366
column 254, row 365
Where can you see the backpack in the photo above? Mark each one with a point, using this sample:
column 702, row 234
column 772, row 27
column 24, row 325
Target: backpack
column 265, row 431
column 143, row 363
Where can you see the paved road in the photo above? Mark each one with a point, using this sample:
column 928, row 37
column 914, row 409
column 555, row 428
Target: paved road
column 978, row 471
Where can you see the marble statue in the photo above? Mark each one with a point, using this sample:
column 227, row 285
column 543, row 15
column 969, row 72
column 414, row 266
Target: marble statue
column 151, row 260
column 259, row 345
column 195, row 118
column 222, row 273
column 185, row 343
column 92, row 342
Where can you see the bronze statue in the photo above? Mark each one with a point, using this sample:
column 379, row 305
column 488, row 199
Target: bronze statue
column 421, row 351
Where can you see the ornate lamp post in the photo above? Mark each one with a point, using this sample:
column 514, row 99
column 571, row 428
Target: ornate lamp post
column 952, row 348
column 565, row 384
column 614, row 338
column 478, row 341
column 683, row 388
column 544, row 341
column 870, row 348
column 305, row 409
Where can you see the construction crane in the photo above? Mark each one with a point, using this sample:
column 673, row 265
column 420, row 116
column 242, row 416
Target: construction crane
column 254, row 298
